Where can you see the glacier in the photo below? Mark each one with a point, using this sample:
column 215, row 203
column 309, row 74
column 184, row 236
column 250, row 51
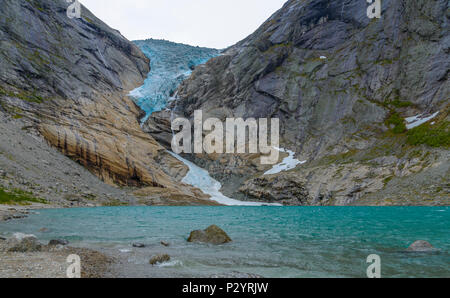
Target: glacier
column 170, row 64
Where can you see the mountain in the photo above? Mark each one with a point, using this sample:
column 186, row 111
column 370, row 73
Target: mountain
column 67, row 80
column 344, row 88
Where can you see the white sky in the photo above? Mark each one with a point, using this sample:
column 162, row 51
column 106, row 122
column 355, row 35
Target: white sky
column 209, row 23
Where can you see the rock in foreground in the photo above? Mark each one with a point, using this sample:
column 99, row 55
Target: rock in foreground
column 212, row 234
column 138, row 245
column 56, row 242
column 24, row 243
column 421, row 246
column 159, row 259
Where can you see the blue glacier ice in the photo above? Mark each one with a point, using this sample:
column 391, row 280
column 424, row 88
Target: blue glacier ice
column 170, row 64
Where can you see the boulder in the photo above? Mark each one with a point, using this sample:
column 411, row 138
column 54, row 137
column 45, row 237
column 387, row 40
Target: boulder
column 24, row 243
column 158, row 259
column 56, row 242
column 421, row 246
column 138, row 245
column 212, row 234
column 164, row 243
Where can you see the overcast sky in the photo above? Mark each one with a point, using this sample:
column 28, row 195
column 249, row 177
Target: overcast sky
column 209, row 23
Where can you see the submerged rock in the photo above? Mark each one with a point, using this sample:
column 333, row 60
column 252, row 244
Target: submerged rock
column 421, row 246
column 24, row 243
column 138, row 245
column 212, row 234
column 158, row 259
column 56, row 242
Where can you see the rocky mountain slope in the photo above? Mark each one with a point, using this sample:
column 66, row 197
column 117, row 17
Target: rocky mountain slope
column 67, row 79
column 342, row 85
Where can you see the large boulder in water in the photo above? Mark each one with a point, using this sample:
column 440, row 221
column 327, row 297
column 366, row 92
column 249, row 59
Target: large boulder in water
column 212, row 234
column 24, row 243
column 421, row 246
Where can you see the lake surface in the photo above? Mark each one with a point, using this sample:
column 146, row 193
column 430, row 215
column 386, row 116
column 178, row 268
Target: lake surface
column 269, row 241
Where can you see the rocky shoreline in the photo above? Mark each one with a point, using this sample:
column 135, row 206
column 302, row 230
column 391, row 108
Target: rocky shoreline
column 17, row 212
column 27, row 258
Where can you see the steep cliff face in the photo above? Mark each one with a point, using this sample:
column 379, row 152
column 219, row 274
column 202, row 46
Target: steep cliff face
column 70, row 78
column 341, row 85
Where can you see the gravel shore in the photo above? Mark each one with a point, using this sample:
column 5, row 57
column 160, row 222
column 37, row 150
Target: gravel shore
column 51, row 262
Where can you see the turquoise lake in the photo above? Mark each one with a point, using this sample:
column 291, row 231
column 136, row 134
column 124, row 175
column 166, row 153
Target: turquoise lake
column 269, row 241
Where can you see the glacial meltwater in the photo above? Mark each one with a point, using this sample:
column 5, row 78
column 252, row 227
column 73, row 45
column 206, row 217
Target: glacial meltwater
column 268, row 241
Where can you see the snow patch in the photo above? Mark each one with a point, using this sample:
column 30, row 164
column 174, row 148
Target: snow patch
column 287, row 164
column 418, row 120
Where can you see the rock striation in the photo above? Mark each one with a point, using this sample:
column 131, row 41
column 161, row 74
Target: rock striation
column 70, row 78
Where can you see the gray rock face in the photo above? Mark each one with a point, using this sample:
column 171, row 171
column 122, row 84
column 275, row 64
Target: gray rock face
column 51, row 55
column 333, row 77
column 69, row 78
column 421, row 246
column 213, row 234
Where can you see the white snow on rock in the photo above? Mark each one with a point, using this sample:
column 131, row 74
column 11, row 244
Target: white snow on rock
column 287, row 164
column 201, row 179
column 418, row 120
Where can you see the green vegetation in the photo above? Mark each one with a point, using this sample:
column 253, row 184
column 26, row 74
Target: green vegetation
column 400, row 103
column 437, row 135
column 18, row 197
column 396, row 121
column 23, row 95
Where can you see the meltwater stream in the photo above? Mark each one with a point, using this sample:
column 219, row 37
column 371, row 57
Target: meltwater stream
column 170, row 64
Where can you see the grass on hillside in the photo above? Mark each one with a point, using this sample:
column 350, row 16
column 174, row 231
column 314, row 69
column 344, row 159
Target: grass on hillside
column 18, row 197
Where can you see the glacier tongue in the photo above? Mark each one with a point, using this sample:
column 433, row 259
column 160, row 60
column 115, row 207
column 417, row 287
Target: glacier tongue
column 170, row 64
column 201, row 179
